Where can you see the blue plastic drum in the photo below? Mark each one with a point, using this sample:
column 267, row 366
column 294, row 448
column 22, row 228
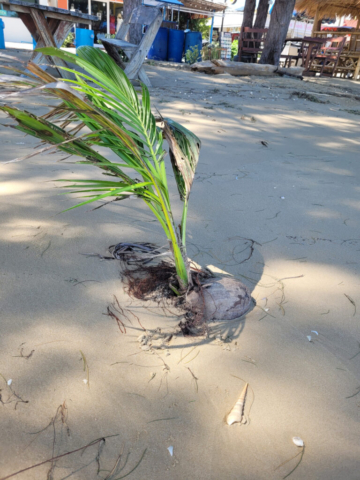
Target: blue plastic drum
column 2, row 36
column 176, row 45
column 193, row 39
column 84, row 37
column 159, row 49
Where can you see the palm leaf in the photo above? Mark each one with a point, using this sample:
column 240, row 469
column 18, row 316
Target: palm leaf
column 184, row 154
column 102, row 99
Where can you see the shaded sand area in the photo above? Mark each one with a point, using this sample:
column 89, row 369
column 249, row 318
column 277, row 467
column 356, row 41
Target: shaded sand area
column 277, row 169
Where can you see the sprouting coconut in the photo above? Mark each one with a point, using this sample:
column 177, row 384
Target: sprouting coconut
column 119, row 119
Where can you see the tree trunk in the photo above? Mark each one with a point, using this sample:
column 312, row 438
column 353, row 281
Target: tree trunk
column 261, row 14
column 279, row 24
column 135, row 33
column 249, row 11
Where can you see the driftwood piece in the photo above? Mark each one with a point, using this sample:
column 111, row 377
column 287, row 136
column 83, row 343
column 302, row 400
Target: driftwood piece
column 239, row 69
column 207, row 67
column 243, row 69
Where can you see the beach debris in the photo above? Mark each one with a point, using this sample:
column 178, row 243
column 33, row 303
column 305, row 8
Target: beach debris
column 309, row 337
column 9, row 382
column 86, row 369
column 314, row 331
column 237, row 413
column 282, row 198
column 352, row 302
column 22, row 353
column 195, row 380
column 298, row 441
column 171, row 450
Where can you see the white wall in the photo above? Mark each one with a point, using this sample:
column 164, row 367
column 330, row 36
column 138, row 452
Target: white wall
column 15, row 31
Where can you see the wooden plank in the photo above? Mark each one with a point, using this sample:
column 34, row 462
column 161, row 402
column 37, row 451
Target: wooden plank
column 48, row 39
column 144, row 15
column 112, row 50
column 59, row 16
column 123, row 31
column 136, row 61
column 60, row 34
column 143, row 77
column 51, row 10
column 29, row 24
column 121, row 43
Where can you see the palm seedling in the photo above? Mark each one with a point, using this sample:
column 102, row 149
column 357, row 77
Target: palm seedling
column 101, row 100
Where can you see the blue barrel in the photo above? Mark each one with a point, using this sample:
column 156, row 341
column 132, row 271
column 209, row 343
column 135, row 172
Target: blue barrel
column 193, row 39
column 83, row 37
column 34, row 43
column 2, row 36
column 159, row 48
column 176, row 45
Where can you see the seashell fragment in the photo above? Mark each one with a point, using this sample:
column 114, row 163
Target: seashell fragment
column 9, row 382
column 237, row 413
column 298, row 441
column 171, row 450
column 309, row 337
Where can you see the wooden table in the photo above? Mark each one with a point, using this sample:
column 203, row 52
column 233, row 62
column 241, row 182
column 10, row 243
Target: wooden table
column 312, row 43
column 48, row 25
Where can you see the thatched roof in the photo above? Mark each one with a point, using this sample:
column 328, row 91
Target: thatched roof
column 329, row 8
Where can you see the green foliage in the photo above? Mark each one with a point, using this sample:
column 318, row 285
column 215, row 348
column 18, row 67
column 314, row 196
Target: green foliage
column 234, row 48
column 69, row 40
column 117, row 119
column 201, row 25
column 192, row 55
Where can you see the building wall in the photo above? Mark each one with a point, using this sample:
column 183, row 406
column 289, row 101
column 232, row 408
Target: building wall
column 15, row 31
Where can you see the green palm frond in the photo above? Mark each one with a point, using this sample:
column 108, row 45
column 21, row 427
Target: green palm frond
column 101, row 100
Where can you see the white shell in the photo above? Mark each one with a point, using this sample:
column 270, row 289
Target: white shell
column 171, row 450
column 85, row 381
column 236, row 414
column 298, row 441
column 9, row 382
column 314, row 331
column 309, row 338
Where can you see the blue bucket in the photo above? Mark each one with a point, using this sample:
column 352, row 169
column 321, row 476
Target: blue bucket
column 159, row 49
column 84, row 37
column 193, row 39
column 176, row 45
column 2, row 36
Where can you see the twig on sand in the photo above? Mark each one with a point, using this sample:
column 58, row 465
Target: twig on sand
column 94, row 442
column 131, row 471
column 195, row 379
column 115, row 467
column 296, row 466
column 86, row 369
column 352, row 302
column 22, row 353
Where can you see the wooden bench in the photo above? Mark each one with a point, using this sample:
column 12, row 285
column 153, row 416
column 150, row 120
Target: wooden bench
column 49, row 26
column 136, row 54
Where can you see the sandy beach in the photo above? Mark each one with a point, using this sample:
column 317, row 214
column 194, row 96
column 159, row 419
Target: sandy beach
column 275, row 203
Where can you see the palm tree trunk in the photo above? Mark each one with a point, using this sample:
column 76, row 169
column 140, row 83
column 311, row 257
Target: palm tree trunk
column 279, row 24
column 249, row 11
column 261, row 15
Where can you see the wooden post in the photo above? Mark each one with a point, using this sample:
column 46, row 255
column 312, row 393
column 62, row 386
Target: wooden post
column 317, row 22
column 358, row 24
